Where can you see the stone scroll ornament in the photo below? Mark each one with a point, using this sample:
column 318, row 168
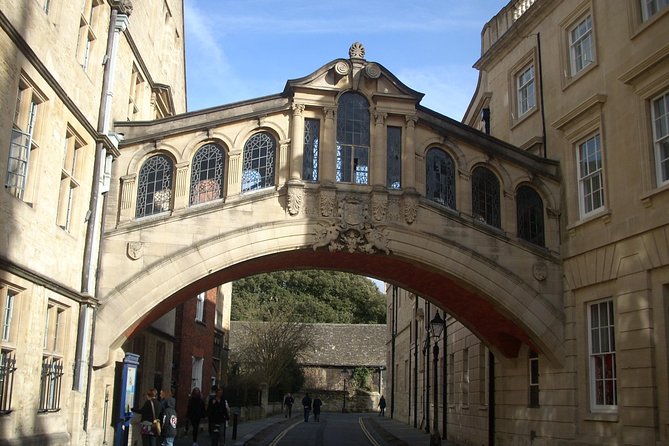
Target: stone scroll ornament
column 295, row 200
column 351, row 230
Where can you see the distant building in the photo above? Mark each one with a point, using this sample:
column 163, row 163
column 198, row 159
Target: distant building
column 585, row 83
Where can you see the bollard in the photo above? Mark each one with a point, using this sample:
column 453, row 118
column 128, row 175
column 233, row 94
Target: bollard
column 234, row 426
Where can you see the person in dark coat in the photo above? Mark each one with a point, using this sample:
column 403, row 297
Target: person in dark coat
column 306, row 403
column 288, row 401
column 195, row 412
column 169, row 420
column 151, row 410
column 382, row 407
column 218, row 413
column 317, row 408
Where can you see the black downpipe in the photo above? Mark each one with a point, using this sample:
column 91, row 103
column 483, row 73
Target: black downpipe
column 426, row 351
column 541, row 94
column 491, row 399
column 416, row 346
column 393, row 335
column 444, row 386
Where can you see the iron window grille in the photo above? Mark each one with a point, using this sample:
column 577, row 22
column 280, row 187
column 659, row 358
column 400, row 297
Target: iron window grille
column 440, row 177
column 485, row 197
column 530, row 215
column 206, row 179
column 154, row 191
column 394, row 158
column 312, row 128
column 7, row 369
column 353, row 139
column 52, row 374
column 258, row 164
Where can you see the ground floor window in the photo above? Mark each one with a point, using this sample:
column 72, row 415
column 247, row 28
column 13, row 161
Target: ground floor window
column 603, row 389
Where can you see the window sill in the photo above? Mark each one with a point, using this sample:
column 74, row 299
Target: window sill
column 569, row 79
column 647, row 198
column 515, row 122
column 611, row 417
column 604, row 215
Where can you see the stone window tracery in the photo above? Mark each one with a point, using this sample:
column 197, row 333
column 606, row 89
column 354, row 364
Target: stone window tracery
column 206, row 181
column 353, row 140
column 440, row 177
column 258, row 164
column 312, row 129
column 154, row 190
column 394, row 158
column 485, row 197
column 530, row 215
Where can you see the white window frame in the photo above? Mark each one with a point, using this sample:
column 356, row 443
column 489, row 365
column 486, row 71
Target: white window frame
column 598, row 350
column 590, row 146
column 526, row 97
column 650, row 8
column 8, row 307
column 660, row 120
column 199, row 307
column 197, row 368
column 581, row 46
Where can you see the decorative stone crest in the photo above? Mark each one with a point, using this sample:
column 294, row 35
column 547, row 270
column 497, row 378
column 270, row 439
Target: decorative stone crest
column 357, row 51
column 135, row 250
column 328, row 202
column 295, row 200
column 352, row 230
column 540, row 271
column 379, row 207
column 410, row 208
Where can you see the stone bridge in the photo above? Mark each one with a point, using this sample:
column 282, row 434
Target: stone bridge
column 343, row 170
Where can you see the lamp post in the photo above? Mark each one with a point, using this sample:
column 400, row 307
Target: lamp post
column 344, row 375
column 436, row 327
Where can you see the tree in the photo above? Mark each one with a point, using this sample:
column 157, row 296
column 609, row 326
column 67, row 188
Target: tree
column 312, row 296
column 270, row 351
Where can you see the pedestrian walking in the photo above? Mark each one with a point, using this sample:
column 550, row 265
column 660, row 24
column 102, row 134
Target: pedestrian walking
column 317, row 408
column 169, row 421
column 218, row 413
column 288, row 402
column 306, row 403
column 195, row 412
column 150, row 411
column 382, row 407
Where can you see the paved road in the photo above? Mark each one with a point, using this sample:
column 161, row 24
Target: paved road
column 334, row 429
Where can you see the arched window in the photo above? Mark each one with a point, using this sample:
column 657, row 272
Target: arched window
column 206, row 178
column 440, row 177
column 530, row 215
column 258, row 167
column 154, row 186
column 485, row 197
column 353, row 139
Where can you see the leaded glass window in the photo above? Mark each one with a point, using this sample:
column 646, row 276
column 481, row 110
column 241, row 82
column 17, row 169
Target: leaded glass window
column 394, row 158
column 154, row 190
column 312, row 128
column 258, row 165
column 440, row 177
column 485, row 197
column 206, row 179
column 353, row 139
column 530, row 215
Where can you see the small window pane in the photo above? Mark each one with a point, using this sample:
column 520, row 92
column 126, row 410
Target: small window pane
column 206, row 182
column 440, row 173
column 485, row 197
column 154, row 191
column 394, row 158
column 530, row 215
column 259, row 159
column 312, row 129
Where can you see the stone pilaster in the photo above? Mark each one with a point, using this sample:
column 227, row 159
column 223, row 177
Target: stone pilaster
column 379, row 151
column 181, row 186
column 409, row 154
column 297, row 142
column 235, row 174
column 128, row 197
column 328, row 155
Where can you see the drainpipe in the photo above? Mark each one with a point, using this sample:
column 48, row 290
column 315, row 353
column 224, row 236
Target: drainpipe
column 426, row 370
column 491, row 399
column 393, row 334
column 541, row 94
column 444, row 386
column 415, row 364
column 118, row 22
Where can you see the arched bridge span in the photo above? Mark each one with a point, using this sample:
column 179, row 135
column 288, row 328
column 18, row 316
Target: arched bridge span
column 343, row 170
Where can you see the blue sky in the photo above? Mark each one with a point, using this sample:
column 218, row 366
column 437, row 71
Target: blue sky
column 243, row 49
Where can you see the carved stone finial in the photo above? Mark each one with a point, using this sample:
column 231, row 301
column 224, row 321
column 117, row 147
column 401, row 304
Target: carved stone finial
column 357, row 51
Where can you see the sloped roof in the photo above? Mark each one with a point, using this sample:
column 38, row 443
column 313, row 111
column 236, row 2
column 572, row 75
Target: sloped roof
column 343, row 345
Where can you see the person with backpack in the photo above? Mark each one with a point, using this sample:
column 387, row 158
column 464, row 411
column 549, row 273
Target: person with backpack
column 306, row 402
column 170, row 421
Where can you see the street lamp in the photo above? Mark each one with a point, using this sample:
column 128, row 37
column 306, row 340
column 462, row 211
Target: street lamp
column 344, row 375
column 436, row 328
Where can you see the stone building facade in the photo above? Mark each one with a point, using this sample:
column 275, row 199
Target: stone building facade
column 585, row 83
column 69, row 69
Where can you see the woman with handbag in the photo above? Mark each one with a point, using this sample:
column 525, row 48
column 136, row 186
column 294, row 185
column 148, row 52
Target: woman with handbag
column 152, row 412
